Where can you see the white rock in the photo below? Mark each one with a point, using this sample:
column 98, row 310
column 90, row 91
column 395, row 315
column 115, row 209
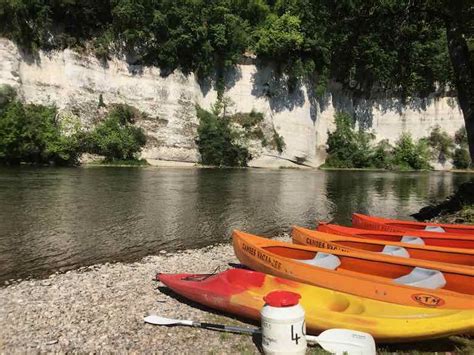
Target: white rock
column 73, row 82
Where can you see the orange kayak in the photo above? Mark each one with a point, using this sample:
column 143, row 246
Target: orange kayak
column 379, row 277
column 395, row 225
column 241, row 292
column 461, row 257
column 446, row 241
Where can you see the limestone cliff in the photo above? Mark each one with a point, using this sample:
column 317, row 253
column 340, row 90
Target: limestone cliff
column 74, row 82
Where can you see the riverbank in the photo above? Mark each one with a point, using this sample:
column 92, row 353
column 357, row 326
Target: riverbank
column 101, row 308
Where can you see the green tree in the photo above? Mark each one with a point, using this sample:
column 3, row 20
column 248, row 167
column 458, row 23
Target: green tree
column 7, row 95
column 461, row 159
column 441, row 143
column 30, row 134
column 460, row 137
column 382, row 155
column 217, row 141
column 347, row 148
column 408, row 154
column 280, row 37
column 116, row 137
column 458, row 20
column 392, row 47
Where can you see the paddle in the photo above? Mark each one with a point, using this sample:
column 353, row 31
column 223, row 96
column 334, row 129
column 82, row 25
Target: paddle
column 340, row 341
column 336, row 341
column 157, row 320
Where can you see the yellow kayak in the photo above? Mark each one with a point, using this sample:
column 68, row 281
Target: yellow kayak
column 241, row 292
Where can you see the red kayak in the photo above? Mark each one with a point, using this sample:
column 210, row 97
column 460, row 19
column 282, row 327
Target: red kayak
column 438, row 240
column 241, row 292
column 414, row 248
column 395, row 225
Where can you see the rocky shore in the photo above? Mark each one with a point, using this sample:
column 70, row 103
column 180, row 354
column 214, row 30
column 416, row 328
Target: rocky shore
column 100, row 308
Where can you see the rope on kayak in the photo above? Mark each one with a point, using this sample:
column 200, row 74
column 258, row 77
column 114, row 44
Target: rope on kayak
column 201, row 277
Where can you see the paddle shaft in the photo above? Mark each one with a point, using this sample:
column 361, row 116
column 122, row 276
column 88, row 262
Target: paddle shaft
column 227, row 328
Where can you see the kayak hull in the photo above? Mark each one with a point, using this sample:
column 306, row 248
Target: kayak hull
column 240, row 292
column 360, row 274
column 454, row 237
column 439, row 240
column 348, row 241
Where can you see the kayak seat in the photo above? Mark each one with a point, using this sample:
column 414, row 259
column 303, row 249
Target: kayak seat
column 395, row 251
column 412, row 240
column 435, row 229
column 326, row 261
column 421, row 277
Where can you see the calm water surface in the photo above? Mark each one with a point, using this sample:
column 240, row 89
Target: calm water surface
column 58, row 219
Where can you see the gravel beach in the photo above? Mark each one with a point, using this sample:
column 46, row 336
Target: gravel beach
column 101, row 308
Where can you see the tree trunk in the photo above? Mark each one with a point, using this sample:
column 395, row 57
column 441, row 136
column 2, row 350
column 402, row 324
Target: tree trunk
column 464, row 76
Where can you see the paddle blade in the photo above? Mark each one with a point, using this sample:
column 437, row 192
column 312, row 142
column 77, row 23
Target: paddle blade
column 340, row 341
column 157, row 320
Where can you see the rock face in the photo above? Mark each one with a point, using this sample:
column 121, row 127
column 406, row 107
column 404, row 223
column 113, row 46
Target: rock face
column 74, row 82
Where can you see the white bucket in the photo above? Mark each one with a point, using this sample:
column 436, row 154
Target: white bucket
column 283, row 325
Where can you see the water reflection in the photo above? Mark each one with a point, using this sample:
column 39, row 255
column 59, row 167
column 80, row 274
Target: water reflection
column 57, row 219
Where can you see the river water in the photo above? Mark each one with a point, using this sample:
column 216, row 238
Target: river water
column 58, row 219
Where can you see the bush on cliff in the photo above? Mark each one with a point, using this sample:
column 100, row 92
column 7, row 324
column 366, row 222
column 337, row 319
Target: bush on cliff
column 7, row 94
column 382, row 155
column 408, row 154
column 346, row 147
column 116, row 137
column 35, row 134
column 441, row 144
column 277, row 142
column 461, row 158
column 32, row 134
column 217, row 141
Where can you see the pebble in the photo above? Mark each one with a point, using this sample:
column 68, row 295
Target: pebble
column 100, row 308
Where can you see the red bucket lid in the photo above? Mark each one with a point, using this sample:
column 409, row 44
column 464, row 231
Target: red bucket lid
column 282, row 299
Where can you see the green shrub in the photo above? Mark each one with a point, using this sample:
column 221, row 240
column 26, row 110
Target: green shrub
column 7, row 94
column 346, row 147
column 117, row 138
column 277, row 142
column 408, row 154
column 279, row 36
column 217, row 141
column 382, row 155
column 441, row 143
column 461, row 158
column 33, row 134
column 30, row 134
column 248, row 120
column 460, row 137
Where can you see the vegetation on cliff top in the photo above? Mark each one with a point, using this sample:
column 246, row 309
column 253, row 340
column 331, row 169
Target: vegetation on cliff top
column 389, row 47
column 399, row 46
